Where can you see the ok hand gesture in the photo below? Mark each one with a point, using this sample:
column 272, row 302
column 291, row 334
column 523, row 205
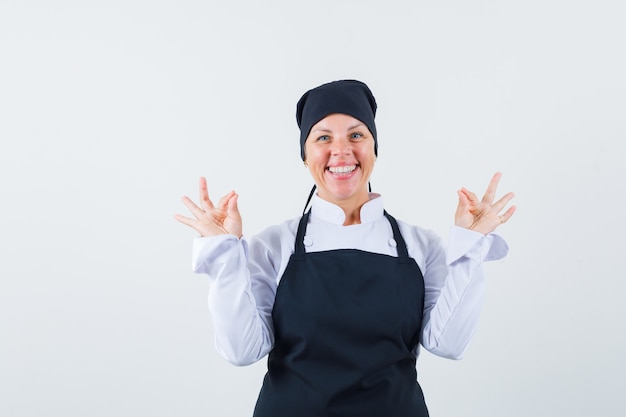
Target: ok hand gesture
column 213, row 220
column 483, row 215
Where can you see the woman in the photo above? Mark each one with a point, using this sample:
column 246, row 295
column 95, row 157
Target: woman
column 342, row 297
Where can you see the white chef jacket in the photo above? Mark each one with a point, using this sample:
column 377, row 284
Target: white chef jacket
column 244, row 275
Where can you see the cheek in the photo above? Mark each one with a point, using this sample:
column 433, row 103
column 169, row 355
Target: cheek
column 367, row 155
column 314, row 155
column 366, row 150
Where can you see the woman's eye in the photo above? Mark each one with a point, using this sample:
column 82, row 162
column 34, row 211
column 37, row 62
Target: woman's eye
column 356, row 135
column 323, row 138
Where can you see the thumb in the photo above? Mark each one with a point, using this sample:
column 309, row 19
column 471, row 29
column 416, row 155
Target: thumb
column 233, row 216
column 463, row 201
column 232, row 208
column 462, row 209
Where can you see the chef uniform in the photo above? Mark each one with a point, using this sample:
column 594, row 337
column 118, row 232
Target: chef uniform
column 342, row 322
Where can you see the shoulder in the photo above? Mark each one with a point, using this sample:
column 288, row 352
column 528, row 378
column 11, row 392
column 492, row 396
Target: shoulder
column 418, row 234
column 423, row 244
column 270, row 250
column 277, row 235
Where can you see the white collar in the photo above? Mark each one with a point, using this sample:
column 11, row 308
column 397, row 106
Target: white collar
column 324, row 210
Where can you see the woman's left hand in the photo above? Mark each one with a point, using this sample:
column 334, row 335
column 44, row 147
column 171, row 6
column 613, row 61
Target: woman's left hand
column 483, row 215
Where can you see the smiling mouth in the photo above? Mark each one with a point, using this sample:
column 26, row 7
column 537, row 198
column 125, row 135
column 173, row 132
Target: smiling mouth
column 345, row 169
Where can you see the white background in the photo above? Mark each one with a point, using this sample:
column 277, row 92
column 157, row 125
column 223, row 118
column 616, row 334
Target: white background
column 110, row 111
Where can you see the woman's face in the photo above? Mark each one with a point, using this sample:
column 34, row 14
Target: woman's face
column 339, row 152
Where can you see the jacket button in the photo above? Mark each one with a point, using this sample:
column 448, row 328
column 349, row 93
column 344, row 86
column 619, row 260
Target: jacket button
column 392, row 243
column 307, row 241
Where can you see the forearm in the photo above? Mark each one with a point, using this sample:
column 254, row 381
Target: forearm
column 242, row 324
column 451, row 321
column 452, row 311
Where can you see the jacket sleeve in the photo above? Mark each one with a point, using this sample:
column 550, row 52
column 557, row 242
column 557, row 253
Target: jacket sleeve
column 454, row 289
column 243, row 282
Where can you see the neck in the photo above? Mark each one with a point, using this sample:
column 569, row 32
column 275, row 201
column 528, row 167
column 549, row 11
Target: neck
column 353, row 217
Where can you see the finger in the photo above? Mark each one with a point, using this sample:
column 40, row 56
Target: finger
column 185, row 220
column 499, row 205
column 223, row 203
column 205, row 202
column 471, row 197
column 463, row 201
column 507, row 215
column 491, row 188
column 193, row 208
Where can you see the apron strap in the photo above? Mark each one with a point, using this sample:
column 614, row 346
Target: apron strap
column 308, row 200
column 401, row 245
column 299, row 243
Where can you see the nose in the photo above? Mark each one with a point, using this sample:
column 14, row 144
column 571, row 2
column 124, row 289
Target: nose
column 342, row 147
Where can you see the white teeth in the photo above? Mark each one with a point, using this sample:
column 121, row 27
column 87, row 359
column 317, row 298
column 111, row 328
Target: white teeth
column 342, row 169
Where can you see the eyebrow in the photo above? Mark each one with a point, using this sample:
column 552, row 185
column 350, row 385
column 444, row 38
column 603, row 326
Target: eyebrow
column 321, row 130
column 330, row 131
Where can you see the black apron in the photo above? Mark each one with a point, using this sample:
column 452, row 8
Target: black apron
column 345, row 324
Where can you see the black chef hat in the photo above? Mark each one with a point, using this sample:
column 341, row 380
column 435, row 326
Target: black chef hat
column 350, row 97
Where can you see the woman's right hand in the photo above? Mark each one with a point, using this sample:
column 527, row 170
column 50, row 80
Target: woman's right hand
column 213, row 220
